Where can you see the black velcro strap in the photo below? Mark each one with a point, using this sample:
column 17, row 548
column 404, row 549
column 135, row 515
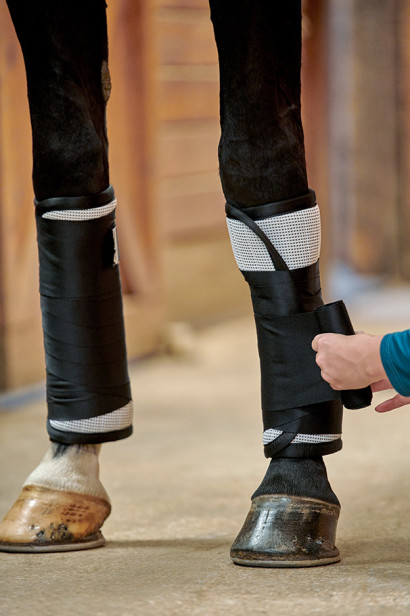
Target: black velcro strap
column 301, row 450
column 277, row 208
column 82, row 202
column 319, row 418
column 285, row 292
column 290, row 376
column 277, row 260
column 84, row 337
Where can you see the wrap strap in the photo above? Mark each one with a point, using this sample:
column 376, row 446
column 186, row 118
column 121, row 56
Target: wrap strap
column 295, row 204
column 81, row 303
column 290, row 376
column 277, row 260
column 302, row 414
column 323, row 418
column 75, row 203
column 297, row 327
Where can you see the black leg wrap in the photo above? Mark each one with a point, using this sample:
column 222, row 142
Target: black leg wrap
column 81, row 303
column 302, row 414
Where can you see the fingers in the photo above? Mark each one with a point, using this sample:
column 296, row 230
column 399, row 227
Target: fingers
column 315, row 342
column 329, row 350
column 325, row 340
column 381, row 385
column 333, row 381
column 319, row 360
column 391, row 404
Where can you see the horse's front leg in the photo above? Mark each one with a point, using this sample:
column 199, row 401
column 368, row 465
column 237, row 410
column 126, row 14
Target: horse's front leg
column 63, row 503
column 294, row 511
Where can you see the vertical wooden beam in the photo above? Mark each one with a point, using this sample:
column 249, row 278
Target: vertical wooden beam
column 365, row 134
column 132, row 133
column 341, row 122
column 2, row 315
column 315, row 105
column 23, row 359
column 403, row 132
column 374, row 246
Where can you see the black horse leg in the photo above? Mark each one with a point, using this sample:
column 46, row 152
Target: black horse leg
column 263, row 173
column 66, row 53
column 88, row 392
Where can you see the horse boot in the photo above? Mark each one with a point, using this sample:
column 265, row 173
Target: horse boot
column 294, row 513
column 63, row 504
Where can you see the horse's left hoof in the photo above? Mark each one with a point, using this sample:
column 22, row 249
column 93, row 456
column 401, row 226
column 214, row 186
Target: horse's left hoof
column 44, row 520
column 287, row 531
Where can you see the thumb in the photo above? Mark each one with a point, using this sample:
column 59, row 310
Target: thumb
column 381, row 385
column 315, row 341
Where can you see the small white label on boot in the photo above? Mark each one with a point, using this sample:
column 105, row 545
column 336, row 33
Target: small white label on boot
column 116, row 257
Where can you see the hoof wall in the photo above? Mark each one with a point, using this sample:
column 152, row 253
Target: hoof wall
column 287, row 531
column 44, row 520
column 93, row 541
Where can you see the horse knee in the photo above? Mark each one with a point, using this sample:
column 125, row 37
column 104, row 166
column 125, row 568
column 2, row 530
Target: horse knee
column 69, row 160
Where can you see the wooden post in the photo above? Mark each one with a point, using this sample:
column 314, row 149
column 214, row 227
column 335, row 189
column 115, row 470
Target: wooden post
column 315, row 107
column 403, row 133
column 364, row 134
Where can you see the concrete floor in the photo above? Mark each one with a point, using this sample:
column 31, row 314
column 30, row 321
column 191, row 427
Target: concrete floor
column 180, row 489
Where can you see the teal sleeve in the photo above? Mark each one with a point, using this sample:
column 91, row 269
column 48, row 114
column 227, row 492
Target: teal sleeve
column 395, row 356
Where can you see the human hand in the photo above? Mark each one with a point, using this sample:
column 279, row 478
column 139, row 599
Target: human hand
column 392, row 403
column 349, row 362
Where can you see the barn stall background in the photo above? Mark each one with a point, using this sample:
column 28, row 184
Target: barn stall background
column 163, row 126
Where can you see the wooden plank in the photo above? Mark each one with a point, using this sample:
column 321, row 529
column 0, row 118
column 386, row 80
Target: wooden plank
column 3, row 363
column 17, row 193
column 373, row 245
column 403, row 123
column 183, row 4
column 22, row 342
column 188, row 147
column 132, row 126
column 192, row 215
column 315, row 107
column 191, row 204
column 185, row 36
column 202, row 281
column 188, row 96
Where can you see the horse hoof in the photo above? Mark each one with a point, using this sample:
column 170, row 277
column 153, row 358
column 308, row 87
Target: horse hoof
column 287, row 531
column 44, row 520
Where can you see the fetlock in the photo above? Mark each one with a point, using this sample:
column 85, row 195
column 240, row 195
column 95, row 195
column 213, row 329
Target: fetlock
column 297, row 477
column 70, row 468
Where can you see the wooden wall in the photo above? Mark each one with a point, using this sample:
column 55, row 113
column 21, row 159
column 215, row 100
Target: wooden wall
column 176, row 259
column 190, row 198
column 176, row 262
column 200, row 278
column 21, row 338
column 369, row 81
column 132, row 137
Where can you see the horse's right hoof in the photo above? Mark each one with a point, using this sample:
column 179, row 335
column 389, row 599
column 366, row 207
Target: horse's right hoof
column 287, row 531
column 44, row 520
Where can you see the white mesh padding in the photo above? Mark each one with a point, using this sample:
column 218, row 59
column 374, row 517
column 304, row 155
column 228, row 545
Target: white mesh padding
column 116, row 420
column 296, row 237
column 272, row 434
column 78, row 215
